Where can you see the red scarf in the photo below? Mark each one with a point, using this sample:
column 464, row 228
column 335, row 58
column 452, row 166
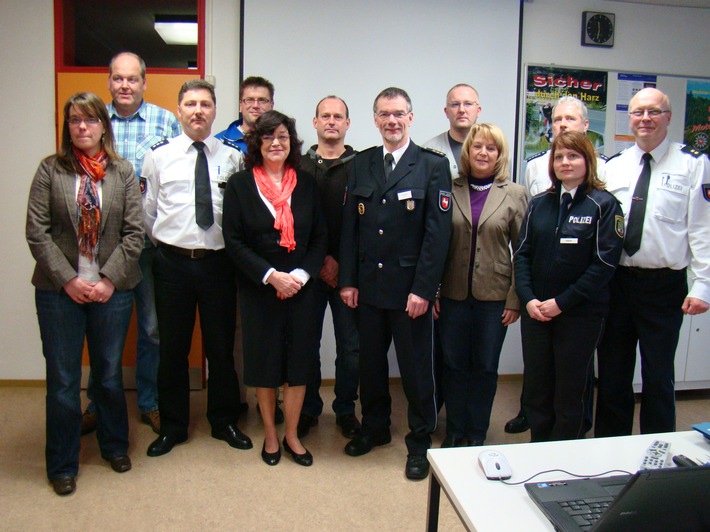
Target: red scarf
column 278, row 197
column 92, row 170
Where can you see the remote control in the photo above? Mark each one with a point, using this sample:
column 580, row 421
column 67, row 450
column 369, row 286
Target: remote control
column 656, row 455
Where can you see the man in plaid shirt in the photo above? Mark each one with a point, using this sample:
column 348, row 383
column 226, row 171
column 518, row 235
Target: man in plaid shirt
column 138, row 125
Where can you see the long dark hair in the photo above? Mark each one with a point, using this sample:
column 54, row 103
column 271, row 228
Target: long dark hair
column 92, row 106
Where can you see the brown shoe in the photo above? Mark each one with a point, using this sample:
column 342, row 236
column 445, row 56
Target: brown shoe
column 89, row 421
column 152, row 419
column 63, row 485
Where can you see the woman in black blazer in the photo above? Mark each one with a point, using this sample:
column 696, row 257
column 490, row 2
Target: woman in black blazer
column 276, row 236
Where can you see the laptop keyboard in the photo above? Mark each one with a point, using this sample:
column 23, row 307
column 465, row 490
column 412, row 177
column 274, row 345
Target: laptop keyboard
column 586, row 512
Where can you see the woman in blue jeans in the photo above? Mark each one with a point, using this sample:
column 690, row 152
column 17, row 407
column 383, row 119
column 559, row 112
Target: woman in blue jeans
column 85, row 231
column 477, row 300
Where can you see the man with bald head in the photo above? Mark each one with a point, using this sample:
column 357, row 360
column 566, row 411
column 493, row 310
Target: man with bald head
column 664, row 190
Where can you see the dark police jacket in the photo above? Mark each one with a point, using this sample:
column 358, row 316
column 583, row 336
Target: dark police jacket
column 573, row 263
column 396, row 234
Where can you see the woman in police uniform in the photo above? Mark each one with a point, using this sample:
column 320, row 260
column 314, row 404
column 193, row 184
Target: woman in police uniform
column 570, row 243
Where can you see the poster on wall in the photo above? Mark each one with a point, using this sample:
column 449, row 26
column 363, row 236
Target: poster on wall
column 697, row 115
column 628, row 86
column 547, row 84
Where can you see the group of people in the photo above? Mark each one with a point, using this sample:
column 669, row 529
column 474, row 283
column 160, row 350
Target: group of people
column 434, row 248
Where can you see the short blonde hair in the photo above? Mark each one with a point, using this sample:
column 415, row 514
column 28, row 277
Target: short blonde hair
column 489, row 132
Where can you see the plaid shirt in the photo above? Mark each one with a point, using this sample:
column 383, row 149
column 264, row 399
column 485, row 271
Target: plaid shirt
column 134, row 135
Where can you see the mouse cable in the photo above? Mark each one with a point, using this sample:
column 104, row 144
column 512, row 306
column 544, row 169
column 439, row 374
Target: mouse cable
column 567, row 473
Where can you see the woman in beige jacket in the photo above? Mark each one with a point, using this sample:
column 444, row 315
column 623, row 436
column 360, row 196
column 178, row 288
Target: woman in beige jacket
column 478, row 300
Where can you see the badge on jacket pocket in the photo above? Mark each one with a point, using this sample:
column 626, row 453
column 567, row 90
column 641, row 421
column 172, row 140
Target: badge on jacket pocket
column 361, row 208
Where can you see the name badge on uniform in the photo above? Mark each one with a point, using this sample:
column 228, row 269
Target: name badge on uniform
column 569, row 240
column 410, row 204
column 361, row 208
column 404, row 195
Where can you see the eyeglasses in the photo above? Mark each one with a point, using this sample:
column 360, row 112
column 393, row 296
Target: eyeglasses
column 384, row 115
column 466, row 105
column 252, row 101
column 652, row 113
column 283, row 139
column 90, row 121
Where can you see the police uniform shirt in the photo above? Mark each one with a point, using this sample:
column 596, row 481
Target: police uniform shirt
column 169, row 171
column 676, row 229
column 396, row 154
column 537, row 173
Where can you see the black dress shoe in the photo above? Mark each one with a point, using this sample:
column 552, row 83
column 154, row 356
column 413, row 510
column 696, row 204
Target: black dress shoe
column 517, row 425
column 233, row 436
column 454, row 441
column 120, row 464
column 305, row 459
column 164, row 444
column 417, row 467
column 270, row 458
column 363, row 444
column 64, row 485
column 305, row 422
column 349, row 425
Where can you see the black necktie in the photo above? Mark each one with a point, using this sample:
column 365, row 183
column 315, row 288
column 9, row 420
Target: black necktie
column 389, row 162
column 564, row 207
column 203, row 192
column 634, row 228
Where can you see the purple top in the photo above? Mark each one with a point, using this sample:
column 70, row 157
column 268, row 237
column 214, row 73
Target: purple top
column 478, row 200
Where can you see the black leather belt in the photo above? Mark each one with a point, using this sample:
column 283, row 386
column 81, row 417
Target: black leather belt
column 649, row 273
column 192, row 253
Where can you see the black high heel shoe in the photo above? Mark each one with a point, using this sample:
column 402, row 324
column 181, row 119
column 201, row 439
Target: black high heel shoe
column 270, row 458
column 305, row 459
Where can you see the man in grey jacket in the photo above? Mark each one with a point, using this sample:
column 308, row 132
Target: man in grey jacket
column 462, row 109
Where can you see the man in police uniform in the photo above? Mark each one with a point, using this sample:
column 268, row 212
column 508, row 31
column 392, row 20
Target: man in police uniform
column 185, row 178
column 396, row 227
column 649, row 291
column 569, row 114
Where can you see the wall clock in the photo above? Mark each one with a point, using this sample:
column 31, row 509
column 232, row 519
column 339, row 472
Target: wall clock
column 597, row 29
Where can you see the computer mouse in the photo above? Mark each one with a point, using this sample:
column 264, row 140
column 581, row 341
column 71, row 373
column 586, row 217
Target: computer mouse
column 494, row 465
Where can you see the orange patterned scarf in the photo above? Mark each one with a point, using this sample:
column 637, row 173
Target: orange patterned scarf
column 278, row 197
column 93, row 169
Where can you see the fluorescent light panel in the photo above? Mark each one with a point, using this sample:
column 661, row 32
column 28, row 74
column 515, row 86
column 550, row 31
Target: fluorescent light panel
column 177, row 29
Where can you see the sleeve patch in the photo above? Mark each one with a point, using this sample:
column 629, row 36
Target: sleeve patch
column 444, row 200
column 619, row 225
column 706, row 192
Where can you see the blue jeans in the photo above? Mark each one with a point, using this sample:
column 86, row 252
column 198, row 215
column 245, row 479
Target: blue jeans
column 472, row 337
column 148, row 344
column 63, row 325
column 347, row 355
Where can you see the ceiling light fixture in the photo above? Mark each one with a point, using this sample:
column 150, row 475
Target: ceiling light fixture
column 177, row 29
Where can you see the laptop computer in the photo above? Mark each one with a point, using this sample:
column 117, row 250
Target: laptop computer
column 652, row 499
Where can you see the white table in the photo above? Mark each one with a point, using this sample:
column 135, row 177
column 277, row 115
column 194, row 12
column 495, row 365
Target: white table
column 483, row 504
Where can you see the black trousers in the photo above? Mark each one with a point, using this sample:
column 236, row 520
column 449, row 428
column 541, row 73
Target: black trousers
column 183, row 285
column 413, row 342
column 559, row 359
column 645, row 310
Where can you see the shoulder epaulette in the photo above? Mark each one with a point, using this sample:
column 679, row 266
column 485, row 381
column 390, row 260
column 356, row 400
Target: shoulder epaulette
column 368, row 149
column 616, row 155
column 231, row 144
column 432, row 150
column 159, row 144
column 535, row 156
column 692, row 151
column 603, row 157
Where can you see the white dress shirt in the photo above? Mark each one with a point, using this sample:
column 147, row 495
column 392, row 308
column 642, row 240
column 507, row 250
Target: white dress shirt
column 676, row 229
column 169, row 170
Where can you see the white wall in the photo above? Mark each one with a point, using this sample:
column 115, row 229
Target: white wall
column 664, row 40
column 27, row 93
